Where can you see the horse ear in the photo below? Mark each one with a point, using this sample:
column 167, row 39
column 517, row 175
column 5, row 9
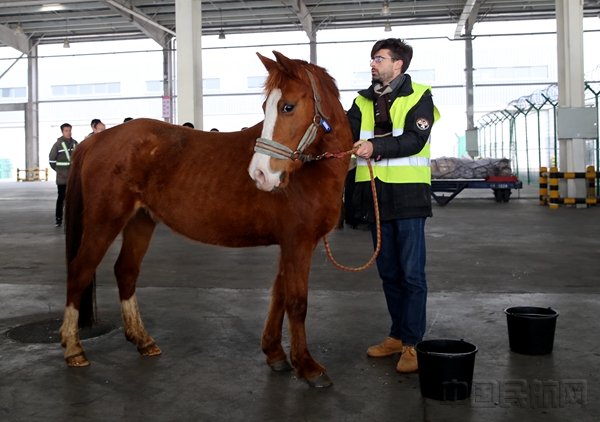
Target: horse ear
column 284, row 62
column 268, row 63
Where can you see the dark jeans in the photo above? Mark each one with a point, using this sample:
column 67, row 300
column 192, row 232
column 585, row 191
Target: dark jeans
column 401, row 266
column 62, row 190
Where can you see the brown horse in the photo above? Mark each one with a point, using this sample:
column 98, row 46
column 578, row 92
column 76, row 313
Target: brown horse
column 256, row 187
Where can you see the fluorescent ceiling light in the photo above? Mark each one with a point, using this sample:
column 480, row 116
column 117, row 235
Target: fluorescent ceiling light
column 50, row 7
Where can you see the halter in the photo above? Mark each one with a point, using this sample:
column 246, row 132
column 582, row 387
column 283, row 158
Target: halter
column 277, row 150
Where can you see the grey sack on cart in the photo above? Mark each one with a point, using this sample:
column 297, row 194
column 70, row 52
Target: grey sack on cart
column 466, row 168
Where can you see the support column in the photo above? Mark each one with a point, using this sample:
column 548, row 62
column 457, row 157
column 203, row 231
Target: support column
column 471, row 141
column 32, row 144
column 306, row 20
column 188, row 17
column 168, row 80
column 569, row 31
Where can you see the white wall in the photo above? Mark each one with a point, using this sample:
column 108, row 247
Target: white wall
column 233, row 60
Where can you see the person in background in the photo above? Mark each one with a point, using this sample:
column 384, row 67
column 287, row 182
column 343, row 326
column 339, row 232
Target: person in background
column 100, row 127
column 391, row 122
column 188, row 124
column 60, row 161
column 214, row 129
column 97, row 127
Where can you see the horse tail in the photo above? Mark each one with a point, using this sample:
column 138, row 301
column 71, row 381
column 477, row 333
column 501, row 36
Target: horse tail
column 73, row 223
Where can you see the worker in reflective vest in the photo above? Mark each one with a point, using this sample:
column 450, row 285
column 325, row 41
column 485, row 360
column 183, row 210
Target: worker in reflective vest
column 391, row 122
column 60, row 161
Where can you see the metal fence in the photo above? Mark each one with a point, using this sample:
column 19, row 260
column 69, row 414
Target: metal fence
column 525, row 131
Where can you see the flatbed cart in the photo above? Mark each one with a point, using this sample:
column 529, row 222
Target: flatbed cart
column 501, row 185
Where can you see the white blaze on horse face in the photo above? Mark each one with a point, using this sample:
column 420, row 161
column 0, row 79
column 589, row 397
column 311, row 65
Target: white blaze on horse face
column 260, row 170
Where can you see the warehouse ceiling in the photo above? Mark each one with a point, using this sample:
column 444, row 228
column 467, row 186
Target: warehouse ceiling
column 48, row 21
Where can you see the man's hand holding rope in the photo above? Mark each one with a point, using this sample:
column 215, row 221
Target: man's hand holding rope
column 365, row 148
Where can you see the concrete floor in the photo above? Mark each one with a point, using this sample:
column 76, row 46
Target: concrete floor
column 205, row 306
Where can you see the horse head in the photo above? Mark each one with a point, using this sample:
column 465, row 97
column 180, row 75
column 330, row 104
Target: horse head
column 301, row 107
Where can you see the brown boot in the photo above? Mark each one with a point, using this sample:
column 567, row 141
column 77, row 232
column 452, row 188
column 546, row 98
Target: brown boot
column 408, row 360
column 389, row 347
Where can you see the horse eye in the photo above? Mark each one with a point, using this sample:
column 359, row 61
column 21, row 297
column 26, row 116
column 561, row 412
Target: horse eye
column 287, row 108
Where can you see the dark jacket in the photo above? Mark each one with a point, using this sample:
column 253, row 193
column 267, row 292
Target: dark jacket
column 58, row 159
column 396, row 200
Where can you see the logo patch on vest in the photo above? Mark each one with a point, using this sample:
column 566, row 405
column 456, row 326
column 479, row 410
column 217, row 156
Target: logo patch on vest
column 422, row 123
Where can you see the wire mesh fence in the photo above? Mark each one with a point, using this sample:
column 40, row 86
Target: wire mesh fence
column 526, row 132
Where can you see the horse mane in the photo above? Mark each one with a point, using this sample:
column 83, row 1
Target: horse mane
column 280, row 74
column 327, row 81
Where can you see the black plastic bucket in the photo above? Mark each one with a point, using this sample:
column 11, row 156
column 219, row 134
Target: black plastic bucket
column 446, row 368
column 531, row 329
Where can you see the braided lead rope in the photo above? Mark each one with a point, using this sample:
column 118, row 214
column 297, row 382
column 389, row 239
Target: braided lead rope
column 377, row 219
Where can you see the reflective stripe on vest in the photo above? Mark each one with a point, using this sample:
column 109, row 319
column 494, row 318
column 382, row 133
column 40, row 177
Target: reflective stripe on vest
column 68, row 162
column 413, row 169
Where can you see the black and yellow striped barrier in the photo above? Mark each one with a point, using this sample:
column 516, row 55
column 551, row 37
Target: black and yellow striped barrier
column 32, row 175
column 543, row 186
column 553, row 199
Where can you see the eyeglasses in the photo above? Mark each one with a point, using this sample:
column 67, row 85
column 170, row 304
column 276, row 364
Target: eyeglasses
column 379, row 59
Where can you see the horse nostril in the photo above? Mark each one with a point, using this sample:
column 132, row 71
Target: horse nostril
column 282, row 176
column 260, row 176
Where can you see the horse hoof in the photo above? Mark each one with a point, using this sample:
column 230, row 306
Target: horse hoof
column 281, row 366
column 152, row 350
column 77, row 360
column 320, row 381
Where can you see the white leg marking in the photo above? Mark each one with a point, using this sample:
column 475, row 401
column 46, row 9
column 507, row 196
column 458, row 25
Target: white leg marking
column 260, row 170
column 69, row 332
column 134, row 328
column 132, row 321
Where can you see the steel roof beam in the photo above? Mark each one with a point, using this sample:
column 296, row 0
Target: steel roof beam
column 49, row 19
column 464, row 17
column 305, row 18
column 155, row 31
column 9, row 37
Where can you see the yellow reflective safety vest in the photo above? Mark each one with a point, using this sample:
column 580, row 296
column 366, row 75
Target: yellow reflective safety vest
column 413, row 169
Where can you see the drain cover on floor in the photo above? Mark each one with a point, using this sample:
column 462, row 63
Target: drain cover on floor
column 47, row 331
